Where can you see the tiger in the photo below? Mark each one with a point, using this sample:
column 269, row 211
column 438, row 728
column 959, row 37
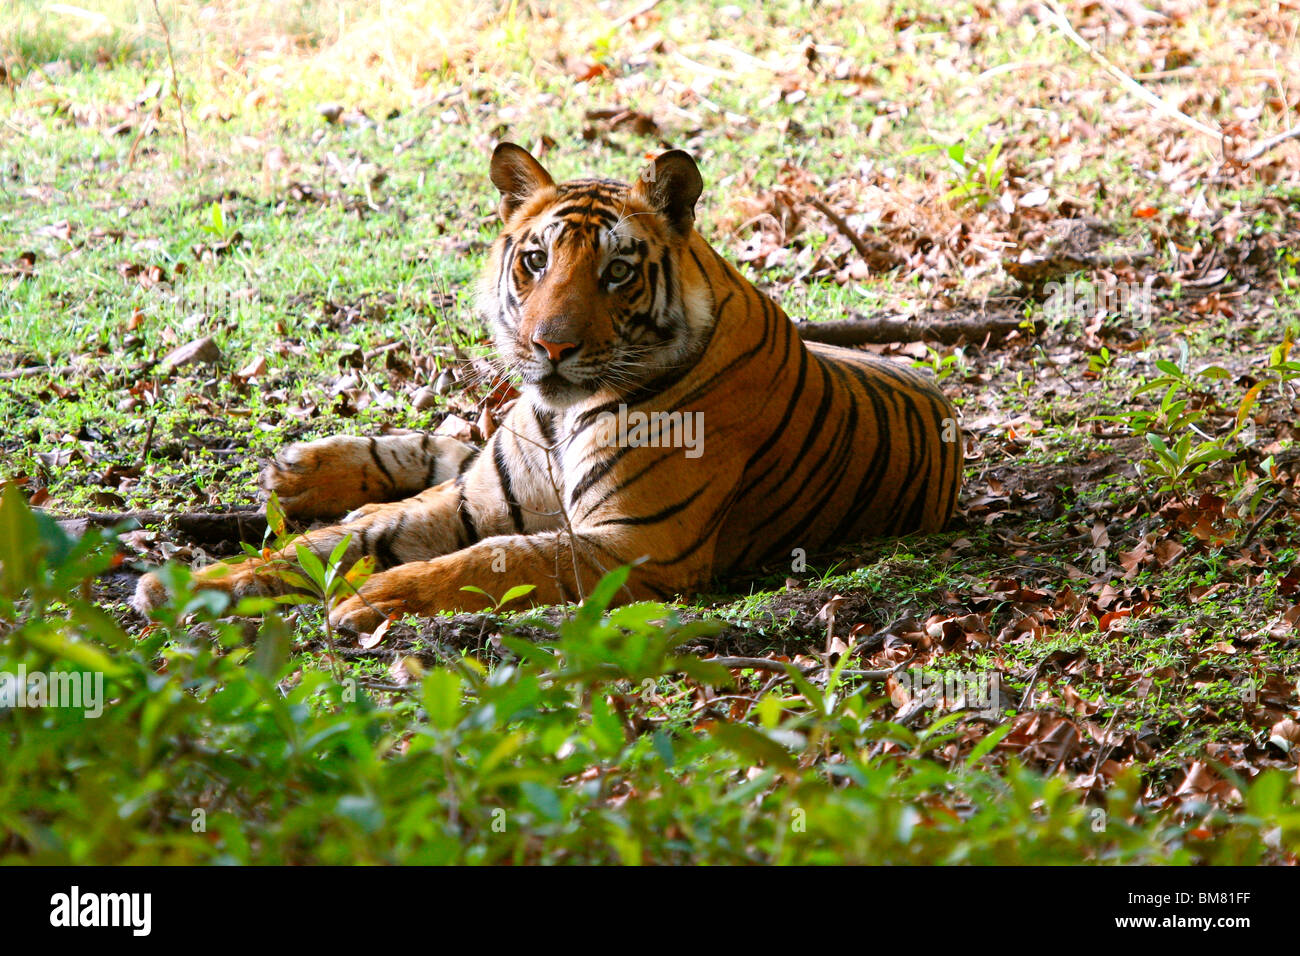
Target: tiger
column 670, row 418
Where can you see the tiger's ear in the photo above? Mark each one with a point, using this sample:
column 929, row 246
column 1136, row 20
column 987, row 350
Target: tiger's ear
column 517, row 175
column 670, row 186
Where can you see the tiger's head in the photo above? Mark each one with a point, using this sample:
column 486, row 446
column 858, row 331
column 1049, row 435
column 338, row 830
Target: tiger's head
column 585, row 288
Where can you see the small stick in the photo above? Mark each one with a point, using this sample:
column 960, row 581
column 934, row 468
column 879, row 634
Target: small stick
column 176, row 89
column 148, row 443
column 1063, row 24
column 639, row 11
column 880, row 257
column 1259, row 150
column 1259, row 522
column 766, row 664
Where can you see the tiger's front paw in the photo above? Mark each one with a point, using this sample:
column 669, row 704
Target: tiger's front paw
column 150, row 593
column 246, row 579
column 407, row 589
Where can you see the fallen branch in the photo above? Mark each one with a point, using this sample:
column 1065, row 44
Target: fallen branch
column 885, row 330
column 878, row 254
column 29, row 370
column 1259, row 150
column 85, row 368
column 201, row 527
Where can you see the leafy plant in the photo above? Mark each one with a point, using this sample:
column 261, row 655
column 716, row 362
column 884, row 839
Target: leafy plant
column 979, row 178
column 1182, row 449
column 588, row 748
column 942, row 365
column 513, row 594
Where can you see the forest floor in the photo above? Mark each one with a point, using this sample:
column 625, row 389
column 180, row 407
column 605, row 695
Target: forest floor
column 291, row 254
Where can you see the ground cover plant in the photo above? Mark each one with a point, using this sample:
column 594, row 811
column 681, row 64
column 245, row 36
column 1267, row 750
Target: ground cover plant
column 227, row 227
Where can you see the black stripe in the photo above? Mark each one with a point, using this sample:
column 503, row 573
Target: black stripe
column 467, row 524
column 546, row 424
column 706, row 535
column 374, row 455
column 782, row 423
column 627, row 482
column 430, row 471
column 597, row 472
column 864, row 496
column 507, row 489
column 385, row 556
column 661, row 515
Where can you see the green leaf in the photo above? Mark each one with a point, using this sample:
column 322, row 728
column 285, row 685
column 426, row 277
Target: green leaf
column 602, row 594
column 271, row 654
column 78, row 652
column 663, row 745
column 770, row 707
column 528, row 651
column 275, row 516
column 442, row 689
column 504, row 748
column 311, row 563
column 516, row 592
column 292, row 578
column 985, row 746
column 754, row 744
column 19, row 536
column 340, row 549
column 606, row 729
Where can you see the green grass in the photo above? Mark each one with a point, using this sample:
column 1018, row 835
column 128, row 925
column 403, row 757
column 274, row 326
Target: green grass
column 354, row 236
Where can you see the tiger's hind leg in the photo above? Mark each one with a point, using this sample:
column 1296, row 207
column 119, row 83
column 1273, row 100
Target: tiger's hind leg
column 332, row 476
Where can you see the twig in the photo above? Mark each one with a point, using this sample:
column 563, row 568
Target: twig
column 148, row 443
column 1047, row 545
column 767, row 664
column 1055, row 368
column 176, row 89
column 1062, row 22
column 1259, row 522
column 881, row 330
column 148, row 126
column 880, row 256
column 1260, row 149
column 56, row 371
column 1033, row 682
column 1105, row 747
column 637, row 12
column 10, row 374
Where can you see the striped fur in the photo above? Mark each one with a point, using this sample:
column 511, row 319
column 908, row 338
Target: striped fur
column 804, row 446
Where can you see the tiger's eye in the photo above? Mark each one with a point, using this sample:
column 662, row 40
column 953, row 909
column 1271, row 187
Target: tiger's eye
column 618, row 271
column 535, row 261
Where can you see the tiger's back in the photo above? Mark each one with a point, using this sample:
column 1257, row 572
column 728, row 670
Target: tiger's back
column 816, row 445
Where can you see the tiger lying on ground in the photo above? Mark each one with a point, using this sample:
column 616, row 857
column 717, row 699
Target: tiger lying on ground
column 670, row 416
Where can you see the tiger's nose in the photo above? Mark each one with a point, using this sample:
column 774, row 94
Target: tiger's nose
column 556, row 351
